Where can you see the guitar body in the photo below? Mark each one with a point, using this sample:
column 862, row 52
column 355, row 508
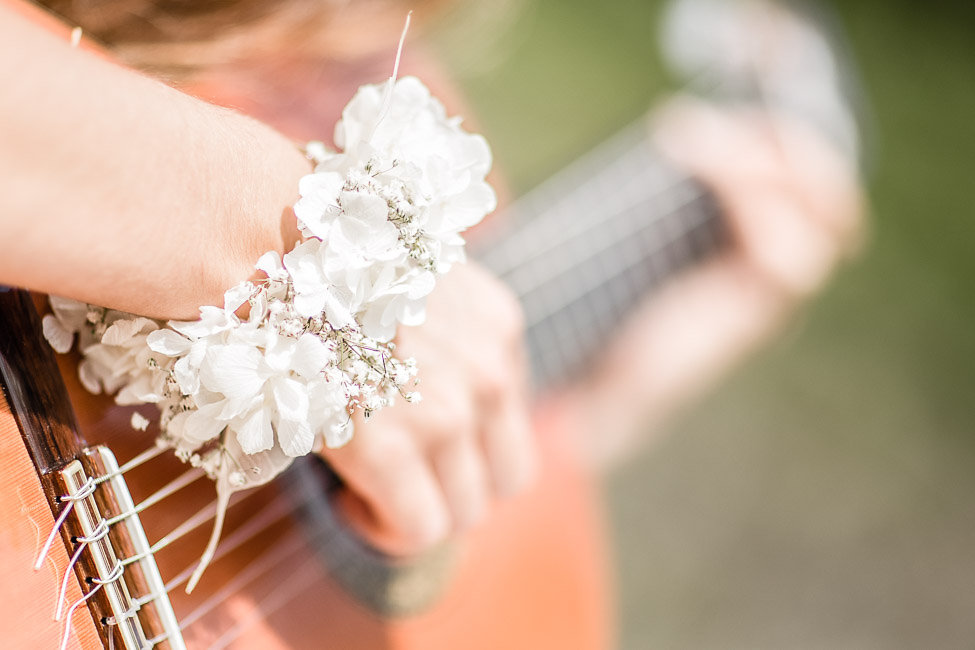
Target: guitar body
column 28, row 596
column 530, row 576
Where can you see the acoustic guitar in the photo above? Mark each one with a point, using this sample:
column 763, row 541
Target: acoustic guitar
column 130, row 522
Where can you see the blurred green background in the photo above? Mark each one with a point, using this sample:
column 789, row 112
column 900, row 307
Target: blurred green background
column 823, row 497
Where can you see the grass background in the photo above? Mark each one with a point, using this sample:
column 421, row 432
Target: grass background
column 823, row 497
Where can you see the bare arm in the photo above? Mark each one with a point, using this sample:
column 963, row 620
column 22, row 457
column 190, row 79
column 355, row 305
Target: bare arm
column 118, row 190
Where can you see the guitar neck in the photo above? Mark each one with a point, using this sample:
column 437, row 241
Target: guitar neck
column 583, row 248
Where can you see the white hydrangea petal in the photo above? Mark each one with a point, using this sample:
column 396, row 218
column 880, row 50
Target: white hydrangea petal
column 258, row 468
column 56, row 334
column 71, row 313
column 234, row 407
column 237, row 296
column 212, row 320
column 122, row 331
column 197, row 352
column 290, row 398
column 422, row 285
column 318, row 203
column 270, row 264
column 187, row 378
column 337, row 310
column 89, row 376
column 202, row 424
column 378, row 323
column 256, row 434
column 232, row 370
column 295, row 437
column 311, row 355
column 469, row 207
column 279, row 351
column 139, row 422
column 168, row 342
column 413, row 312
column 310, row 305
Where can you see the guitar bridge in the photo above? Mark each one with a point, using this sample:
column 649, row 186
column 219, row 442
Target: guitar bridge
column 117, row 556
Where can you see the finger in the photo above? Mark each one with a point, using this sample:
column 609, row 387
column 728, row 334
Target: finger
column 825, row 181
column 509, row 447
column 463, row 479
column 396, row 501
column 781, row 242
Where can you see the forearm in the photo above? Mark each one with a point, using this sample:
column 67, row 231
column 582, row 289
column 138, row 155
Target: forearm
column 119, row 190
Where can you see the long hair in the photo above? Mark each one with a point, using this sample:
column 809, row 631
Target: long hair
column 176, row 38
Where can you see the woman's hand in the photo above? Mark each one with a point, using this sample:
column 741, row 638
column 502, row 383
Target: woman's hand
column 415, row 473
column 794, row 210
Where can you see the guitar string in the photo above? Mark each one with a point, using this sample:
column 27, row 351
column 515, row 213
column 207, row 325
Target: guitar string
column 264, row 519
column 136, row 461
column 202, row 516
column 186, row 478
column 554, row 344
column 268, row 517
column 297, row 581
column 101, row 530
column 523, row 276
column 563, row 220
column 555, row 272
column 65, row 634
column 97, row 583
column 531, row 214
column 254, row 526
column 646, row 245
column 554, row 333
column 265, row 562
column 83, row 492
column 519, row 238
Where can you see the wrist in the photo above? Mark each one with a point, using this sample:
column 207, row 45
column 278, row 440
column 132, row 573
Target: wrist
column 253, row 215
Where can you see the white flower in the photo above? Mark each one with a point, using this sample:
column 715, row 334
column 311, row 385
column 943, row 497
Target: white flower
column 241, row 397
column 139, row 422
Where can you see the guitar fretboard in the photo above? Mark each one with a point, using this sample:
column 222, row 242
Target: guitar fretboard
column 583, row 248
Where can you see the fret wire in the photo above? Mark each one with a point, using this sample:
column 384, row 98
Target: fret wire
column 557, row 273
column 628, row 152
column 525, row 281
column 181, row 481
column 596, row 284
column 548, row 361
column 531, row 242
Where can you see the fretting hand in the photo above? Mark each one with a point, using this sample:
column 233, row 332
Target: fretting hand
column 794, row 210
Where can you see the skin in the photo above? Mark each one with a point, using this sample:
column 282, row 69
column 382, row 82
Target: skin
column 125, row 226
column 794, row 209
column 103, row 209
